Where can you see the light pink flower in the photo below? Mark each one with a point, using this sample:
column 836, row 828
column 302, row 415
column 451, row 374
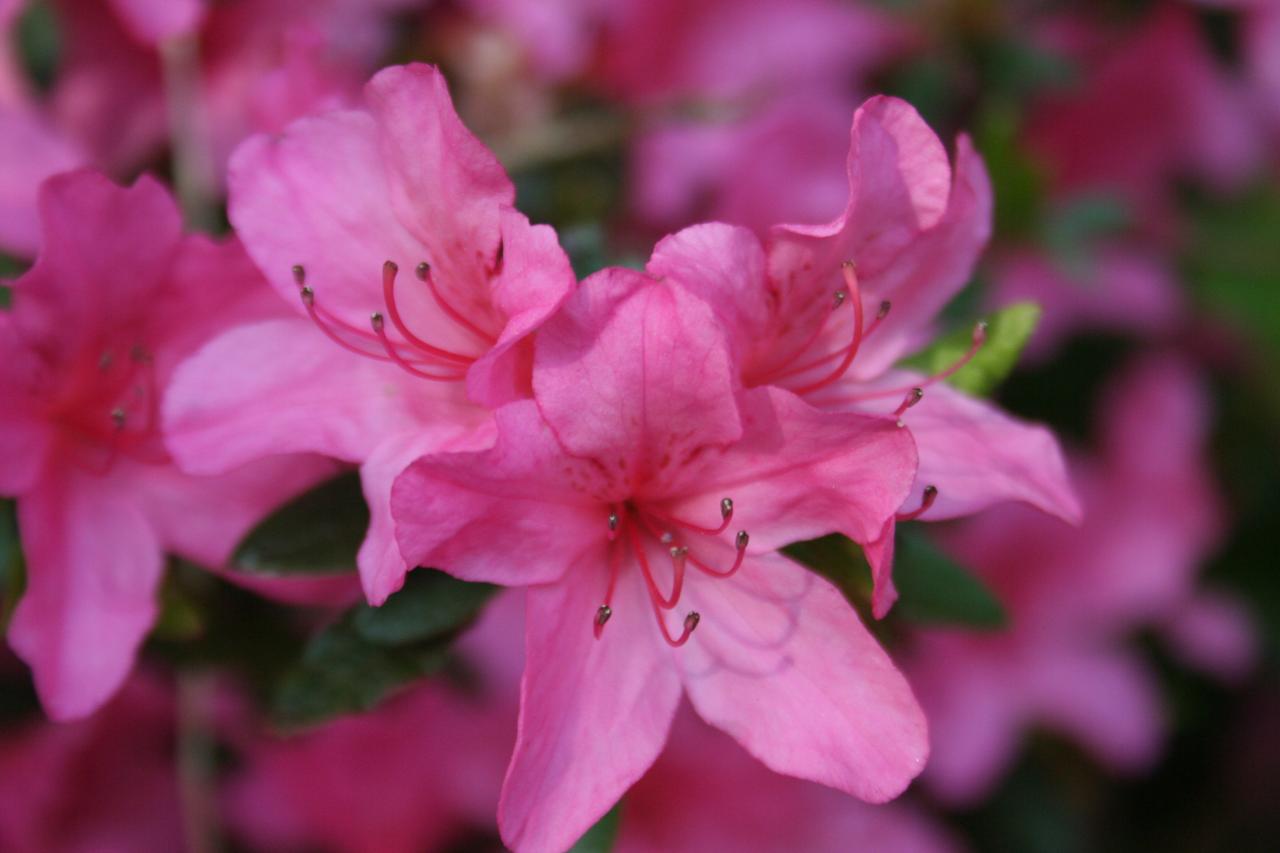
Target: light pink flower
column 827, row 310
column 1074, row 594
column 1119, row 288
column 705, row 793
column 115, row 299
column 354, row 197
column 108, row 783
column 613, row 496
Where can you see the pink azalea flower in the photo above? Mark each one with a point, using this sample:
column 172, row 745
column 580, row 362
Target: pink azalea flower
column 339, row 205
column 116, row 298
column 1121, row 288
column 103, row 784
column 1153, row 106
column 705, row 793
column 827, row 310
column 1072, row 595
column 613, row 496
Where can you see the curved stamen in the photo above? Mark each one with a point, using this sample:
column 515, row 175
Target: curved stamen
column 379, row 329
column 328, row 324
column 926, row 500
column 605, row 611
column 677, row 585
column 423, row 272
column 915, row 395
column 389, row 270
column 851, row 351
column 726, row 516
column 740, row 543
column 979, row 338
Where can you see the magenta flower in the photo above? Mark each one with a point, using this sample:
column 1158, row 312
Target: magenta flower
column 826, row 311
column 332, row 211
column 115, row 299
column 1073, row 594
column 639, row 496
column 104, row 784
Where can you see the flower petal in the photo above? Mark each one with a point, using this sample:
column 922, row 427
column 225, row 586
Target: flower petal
column 594, row 714
column 781, row 662
column 93, row 566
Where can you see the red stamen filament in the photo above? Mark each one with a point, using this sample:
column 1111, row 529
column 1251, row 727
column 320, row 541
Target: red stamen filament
column 726, row 515
column 423, row 272
column 851, row 351
column 389, row 270
column 930, row 495
column 915, row 395
column 378, row 328
column 979, row 338
column 740, row 544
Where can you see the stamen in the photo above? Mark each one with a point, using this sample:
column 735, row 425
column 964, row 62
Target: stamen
column 389, row 270
column 851, row 351
column 979, row 338
column 375, row 320
column 328, row 325
column 726, row 515
column 118, row 418
column 930, row 495
column 881, row 313
column 740, row 543
column 677, row 585
column 602, row 616
column 915, row 395
column 423, row 272
column 613, row 526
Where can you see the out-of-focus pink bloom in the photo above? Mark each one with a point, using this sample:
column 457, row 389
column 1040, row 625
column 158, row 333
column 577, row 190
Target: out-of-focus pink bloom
column 350, row 198
column 108, row 783
column 1119, row 288
column 1151, row 516
column 409, row 776
column 153, row 21
column 611, row 496
column 706, row 793
column 1153, row 105
column 825, row 311
column 116, row 298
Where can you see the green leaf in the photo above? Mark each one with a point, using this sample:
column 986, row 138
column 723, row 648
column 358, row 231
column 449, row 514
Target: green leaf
column 318, row 532
column 371, row 652
column 1008, row 331
column 600, row 838
column 933, row 589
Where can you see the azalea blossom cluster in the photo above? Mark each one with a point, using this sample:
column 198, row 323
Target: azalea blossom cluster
column 669, row 489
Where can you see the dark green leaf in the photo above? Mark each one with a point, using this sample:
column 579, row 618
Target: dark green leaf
column 370, row 652
column 1008, row 331
column 317, row 532
column 1018, row 182
column 600, row 838
column 430, row 605
column 13, row 575
column 933, row 589
column 39, row 42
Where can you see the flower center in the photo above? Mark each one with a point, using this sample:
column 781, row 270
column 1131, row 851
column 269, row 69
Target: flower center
column 399, row 344
column 633, row 529
column 111, row 407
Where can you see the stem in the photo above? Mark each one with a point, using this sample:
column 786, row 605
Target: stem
column 196, row 763
column 193, row 166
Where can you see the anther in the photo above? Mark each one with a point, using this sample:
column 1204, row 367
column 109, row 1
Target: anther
column 740, row 541
column 603, row 613
column 915, row 395
column 841, row 296
column 613, row 521
column 299, row 275
column 667, row 537
column 139, row 355
column 678, row 552
column 308, row 295
column 691, row 621
column 118, row 418
column 884, row 309
column 930, row 495
column 422, row 270
column 726, row 507
column 375, row 320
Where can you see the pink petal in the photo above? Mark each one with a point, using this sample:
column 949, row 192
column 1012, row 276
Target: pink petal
column 93, row 566
column 445, row 186
column 467, row 513
column 635, row 373
column 30, row 151
column 879, row 555
column 978, row 456
column 26, row 438
column 1215, row 633
column 106, row 254
column 534, row 280
column 781, row 662
column 382, row 569
column 594, row 714
column 282, row 387
column 799, row 473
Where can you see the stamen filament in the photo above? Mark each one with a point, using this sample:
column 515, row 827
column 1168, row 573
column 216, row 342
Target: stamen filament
column 926, row 500
column 979, row 338
column 677, row 585
column 423, row 271
column 851, row 351
column 741, row 544
column 389, row 270
column 380, row 330
column 726, row 514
